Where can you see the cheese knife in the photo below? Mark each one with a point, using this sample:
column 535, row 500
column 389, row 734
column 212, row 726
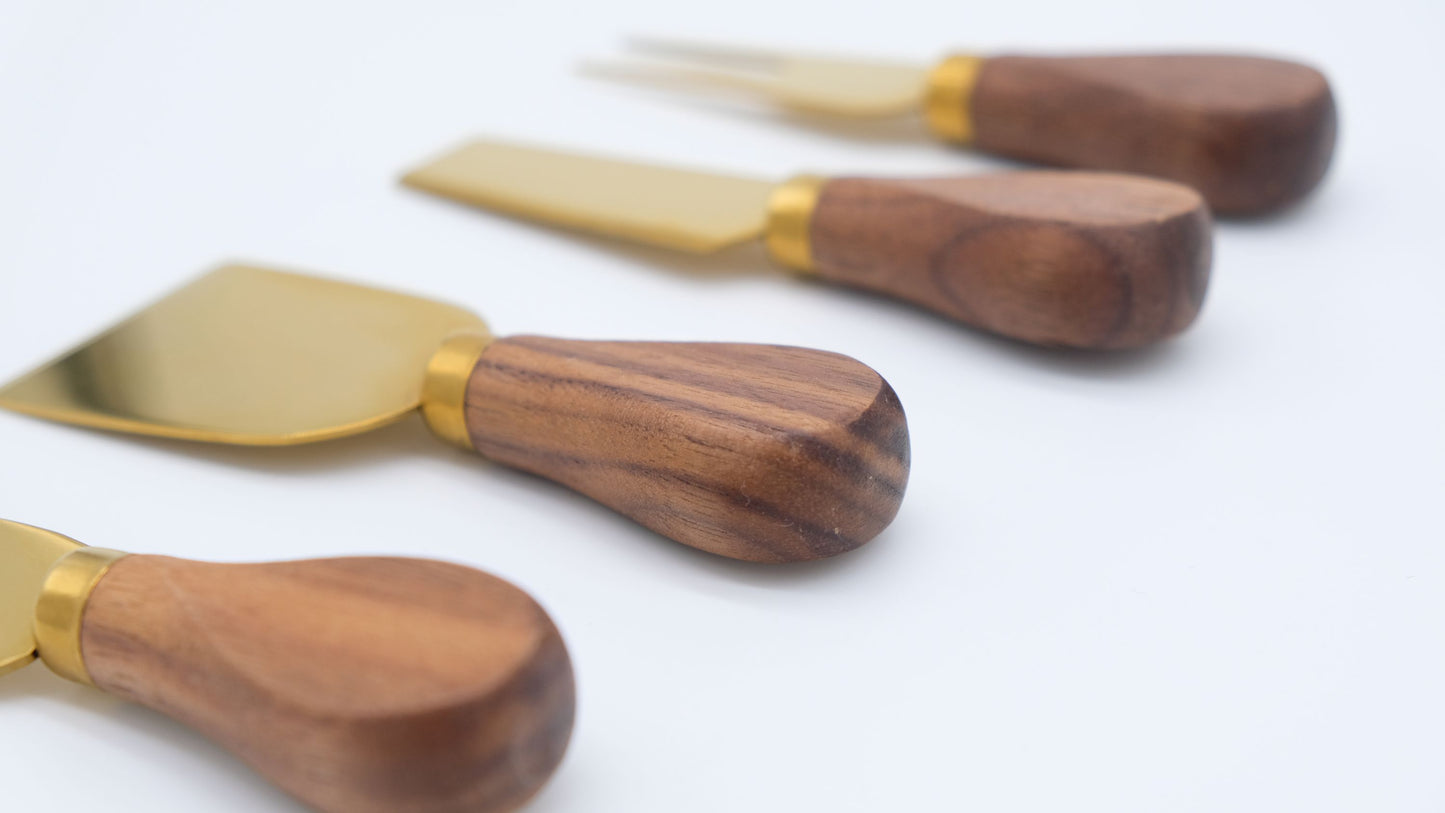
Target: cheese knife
column 1086, row 260
column 755, row 452
column 358, row 685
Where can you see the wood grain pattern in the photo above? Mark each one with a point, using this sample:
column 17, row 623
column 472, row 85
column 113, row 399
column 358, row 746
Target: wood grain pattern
column 767, row 454
column 1073, row 259
column 358, row 685
column 1252, row 135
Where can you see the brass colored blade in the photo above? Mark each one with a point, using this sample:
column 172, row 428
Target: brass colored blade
column 26, row 556
column 673, row 208
column 249, row 356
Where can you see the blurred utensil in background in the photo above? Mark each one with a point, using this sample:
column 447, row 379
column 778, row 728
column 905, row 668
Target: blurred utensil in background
column 1251, row 134
column 1073, row 259
column 358, row 685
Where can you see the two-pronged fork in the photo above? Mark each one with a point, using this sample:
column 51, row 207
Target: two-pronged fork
column 1251, row 134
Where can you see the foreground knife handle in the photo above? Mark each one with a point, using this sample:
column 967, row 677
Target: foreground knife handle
column 1251, row 134
column 1071, row 259
column 357, row 685
column 755, row 452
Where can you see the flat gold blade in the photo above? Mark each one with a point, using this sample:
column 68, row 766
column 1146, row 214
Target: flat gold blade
column 673, row 208
column 249, row 356
column 26, row 556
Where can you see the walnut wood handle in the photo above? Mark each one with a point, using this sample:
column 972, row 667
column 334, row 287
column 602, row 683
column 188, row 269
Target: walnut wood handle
column 358, row 685
column 1252, row 135
column 761, row 453
column 1074, row 259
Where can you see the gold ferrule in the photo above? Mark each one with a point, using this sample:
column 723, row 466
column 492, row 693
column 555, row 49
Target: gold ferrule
column 790, row 219
column 444, row 392
column 61, row 609
column 948, row 103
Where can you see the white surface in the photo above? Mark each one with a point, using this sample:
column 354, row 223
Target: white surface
column 1206, row 577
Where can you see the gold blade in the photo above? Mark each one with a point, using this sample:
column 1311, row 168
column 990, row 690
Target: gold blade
column 26, row 556
column 673, row 208
column 249, row 356
column 840, row 86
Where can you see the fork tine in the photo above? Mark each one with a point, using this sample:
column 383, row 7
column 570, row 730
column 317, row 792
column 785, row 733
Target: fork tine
column 687, row 77
column 717, row 55
column 830, row 85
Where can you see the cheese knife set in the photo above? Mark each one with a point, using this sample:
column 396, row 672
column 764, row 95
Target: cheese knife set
column 379, row 684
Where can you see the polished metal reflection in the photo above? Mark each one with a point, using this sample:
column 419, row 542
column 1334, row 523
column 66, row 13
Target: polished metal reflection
column 60, row 610
column 26, row 556
column 662, row 206
column 249, row 356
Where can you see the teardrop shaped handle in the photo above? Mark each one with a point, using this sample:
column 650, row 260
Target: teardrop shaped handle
column 1252, row 135
column 761, row 453
column 1073, row 259
column 358, row 685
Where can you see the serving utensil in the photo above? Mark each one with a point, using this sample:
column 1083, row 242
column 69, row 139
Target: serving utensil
column 1072, row 259
column 1251, row 134
column 358, row 685
column 755, row 452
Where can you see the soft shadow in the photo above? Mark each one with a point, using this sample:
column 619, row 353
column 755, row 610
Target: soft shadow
column 36, row 680
column 777, row 576
column 1318, row 203
column 1092, row 364
column 566, row 790
column 113, row 715
column 757, row 573
column 1063, row 360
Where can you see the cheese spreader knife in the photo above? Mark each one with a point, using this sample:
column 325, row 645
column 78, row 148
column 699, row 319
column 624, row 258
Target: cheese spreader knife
column 1072, row 259
column 1251, row 134
column 755, row 452
column 358, row 685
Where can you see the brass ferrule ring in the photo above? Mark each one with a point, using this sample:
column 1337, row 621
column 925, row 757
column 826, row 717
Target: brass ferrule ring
column 790, row 219
column 444, row 392
column 948, row 102
column 61, row 609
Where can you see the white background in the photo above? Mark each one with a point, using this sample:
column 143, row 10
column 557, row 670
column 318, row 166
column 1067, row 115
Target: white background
column 1209, row 576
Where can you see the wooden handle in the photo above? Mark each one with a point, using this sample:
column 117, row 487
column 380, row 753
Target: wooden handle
column 768, row 454
column 1070, row 259
column 1252, row 135
column 358, row 685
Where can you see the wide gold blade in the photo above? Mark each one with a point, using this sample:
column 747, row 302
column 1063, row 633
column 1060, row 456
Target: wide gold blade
column 673, row 208
column 26, row 556
column 249, row 356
